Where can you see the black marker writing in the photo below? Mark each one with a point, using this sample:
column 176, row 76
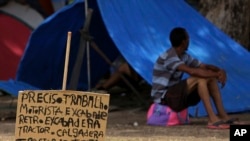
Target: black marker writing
column 84, row 101
column 40, row 110
column 33, row 97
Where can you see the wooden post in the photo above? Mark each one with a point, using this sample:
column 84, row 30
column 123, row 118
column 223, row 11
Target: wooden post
column 66, row 61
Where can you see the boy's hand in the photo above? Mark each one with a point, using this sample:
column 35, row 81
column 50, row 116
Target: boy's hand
column 222, row 77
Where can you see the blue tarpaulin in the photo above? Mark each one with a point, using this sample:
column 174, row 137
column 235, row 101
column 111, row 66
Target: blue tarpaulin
column 43, row 62
column 138, row 29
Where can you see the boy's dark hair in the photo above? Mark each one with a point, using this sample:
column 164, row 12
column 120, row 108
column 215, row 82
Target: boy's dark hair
column 177, row 35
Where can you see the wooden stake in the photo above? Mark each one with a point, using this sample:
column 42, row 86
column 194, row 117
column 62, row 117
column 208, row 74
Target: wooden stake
column 66, row 61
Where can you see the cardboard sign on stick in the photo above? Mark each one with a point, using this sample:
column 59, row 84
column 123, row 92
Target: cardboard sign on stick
column 60, row 115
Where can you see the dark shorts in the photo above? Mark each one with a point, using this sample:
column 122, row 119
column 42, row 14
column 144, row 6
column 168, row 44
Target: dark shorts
column 178, row 99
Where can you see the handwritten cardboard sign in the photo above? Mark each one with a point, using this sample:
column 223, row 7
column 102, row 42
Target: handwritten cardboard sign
column 52, row 115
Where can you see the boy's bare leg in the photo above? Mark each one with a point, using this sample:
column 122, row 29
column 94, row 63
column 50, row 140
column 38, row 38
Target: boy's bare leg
column 116, row 76
column 201, row 85
column 216, row 95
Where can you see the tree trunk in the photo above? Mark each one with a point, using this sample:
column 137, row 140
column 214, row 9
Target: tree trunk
column 231, row 16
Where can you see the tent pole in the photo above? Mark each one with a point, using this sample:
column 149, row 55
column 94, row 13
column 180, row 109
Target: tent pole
column 88, row 51
column 88, row 63
column 85, row 37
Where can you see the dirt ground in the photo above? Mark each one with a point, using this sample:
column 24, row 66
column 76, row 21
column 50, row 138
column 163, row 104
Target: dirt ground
column 127, row 122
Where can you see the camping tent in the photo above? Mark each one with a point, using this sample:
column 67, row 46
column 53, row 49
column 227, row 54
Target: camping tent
column 16, row 24
column 47, row 44
column 139, row 31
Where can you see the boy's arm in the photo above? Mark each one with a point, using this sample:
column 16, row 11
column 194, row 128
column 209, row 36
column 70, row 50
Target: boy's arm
column 205, row 71
column 222, row 73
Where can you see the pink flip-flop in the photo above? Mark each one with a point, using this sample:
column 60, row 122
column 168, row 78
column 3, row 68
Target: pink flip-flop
column 218, row 125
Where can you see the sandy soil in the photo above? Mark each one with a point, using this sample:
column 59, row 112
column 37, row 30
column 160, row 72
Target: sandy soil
column 127, row 122
column 121, row 127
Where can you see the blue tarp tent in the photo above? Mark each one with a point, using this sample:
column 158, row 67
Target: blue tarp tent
column 138, row 29
column 47, row 47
